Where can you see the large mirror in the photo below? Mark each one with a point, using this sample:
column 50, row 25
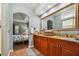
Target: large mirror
column 64, row 19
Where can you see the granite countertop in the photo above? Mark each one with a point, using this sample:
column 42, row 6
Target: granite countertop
column 59, row 37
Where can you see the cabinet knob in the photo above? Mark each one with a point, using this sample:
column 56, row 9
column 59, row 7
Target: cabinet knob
column 59, row 45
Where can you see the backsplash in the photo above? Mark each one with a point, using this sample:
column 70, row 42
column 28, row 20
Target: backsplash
column 70, row 32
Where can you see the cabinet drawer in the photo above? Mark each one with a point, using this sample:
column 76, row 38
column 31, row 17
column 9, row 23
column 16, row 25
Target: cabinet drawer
column 54, row 47
column 54, row 50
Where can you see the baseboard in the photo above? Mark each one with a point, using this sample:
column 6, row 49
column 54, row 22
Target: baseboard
column 31, row 46
column 10, row 52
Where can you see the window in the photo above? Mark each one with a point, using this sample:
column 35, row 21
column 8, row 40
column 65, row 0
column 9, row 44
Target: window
column 16, row 29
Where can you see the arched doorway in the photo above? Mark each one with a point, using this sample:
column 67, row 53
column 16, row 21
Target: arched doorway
column 20, row 30
column 49, row 24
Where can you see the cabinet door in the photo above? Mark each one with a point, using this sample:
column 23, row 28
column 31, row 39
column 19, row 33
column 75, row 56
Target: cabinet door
column 54, row 48
column 38, row 44
column 35, row 41
column 54, row 51
column 44, row 46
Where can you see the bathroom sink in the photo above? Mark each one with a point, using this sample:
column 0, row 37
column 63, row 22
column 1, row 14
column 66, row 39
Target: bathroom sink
column 49, row 34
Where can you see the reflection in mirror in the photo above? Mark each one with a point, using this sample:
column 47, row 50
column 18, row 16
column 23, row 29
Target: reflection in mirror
column 63, row 19
column 68, row 17
column 49, row 24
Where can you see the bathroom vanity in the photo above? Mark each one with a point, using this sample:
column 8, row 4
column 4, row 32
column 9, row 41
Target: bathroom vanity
column 56, row 45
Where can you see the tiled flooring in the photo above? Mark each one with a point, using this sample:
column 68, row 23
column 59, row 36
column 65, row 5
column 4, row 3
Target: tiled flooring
column 23, row 50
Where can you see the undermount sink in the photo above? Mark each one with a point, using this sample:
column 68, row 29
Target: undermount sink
column 48, row 34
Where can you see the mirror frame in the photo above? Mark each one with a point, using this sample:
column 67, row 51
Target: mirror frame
column 77, row 16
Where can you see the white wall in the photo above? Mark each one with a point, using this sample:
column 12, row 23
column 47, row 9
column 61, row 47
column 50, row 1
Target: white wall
column 33, row 19
column 6, row 28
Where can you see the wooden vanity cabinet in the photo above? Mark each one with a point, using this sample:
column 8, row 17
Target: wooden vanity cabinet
column 70, row 48
column 44, row 46
column 56, row 47
column 41, row 44
column 37, row 42
column 66, row 52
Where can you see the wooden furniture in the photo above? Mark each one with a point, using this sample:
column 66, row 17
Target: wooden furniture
column 70, row 48
column 55, row 47
column 41, row 45
column 44, row 45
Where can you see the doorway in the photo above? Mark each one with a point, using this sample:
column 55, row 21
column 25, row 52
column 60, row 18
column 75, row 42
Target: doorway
column 20, row 33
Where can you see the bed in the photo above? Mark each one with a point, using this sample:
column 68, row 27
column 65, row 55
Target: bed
column 19, row 38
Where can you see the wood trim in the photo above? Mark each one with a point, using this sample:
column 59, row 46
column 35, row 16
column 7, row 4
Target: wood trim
column 77, row 16
column 57, row 11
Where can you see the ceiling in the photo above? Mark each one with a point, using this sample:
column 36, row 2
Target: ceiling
column 44, row 7
column 37, row 8
column 19, row 16
column 33, row 6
